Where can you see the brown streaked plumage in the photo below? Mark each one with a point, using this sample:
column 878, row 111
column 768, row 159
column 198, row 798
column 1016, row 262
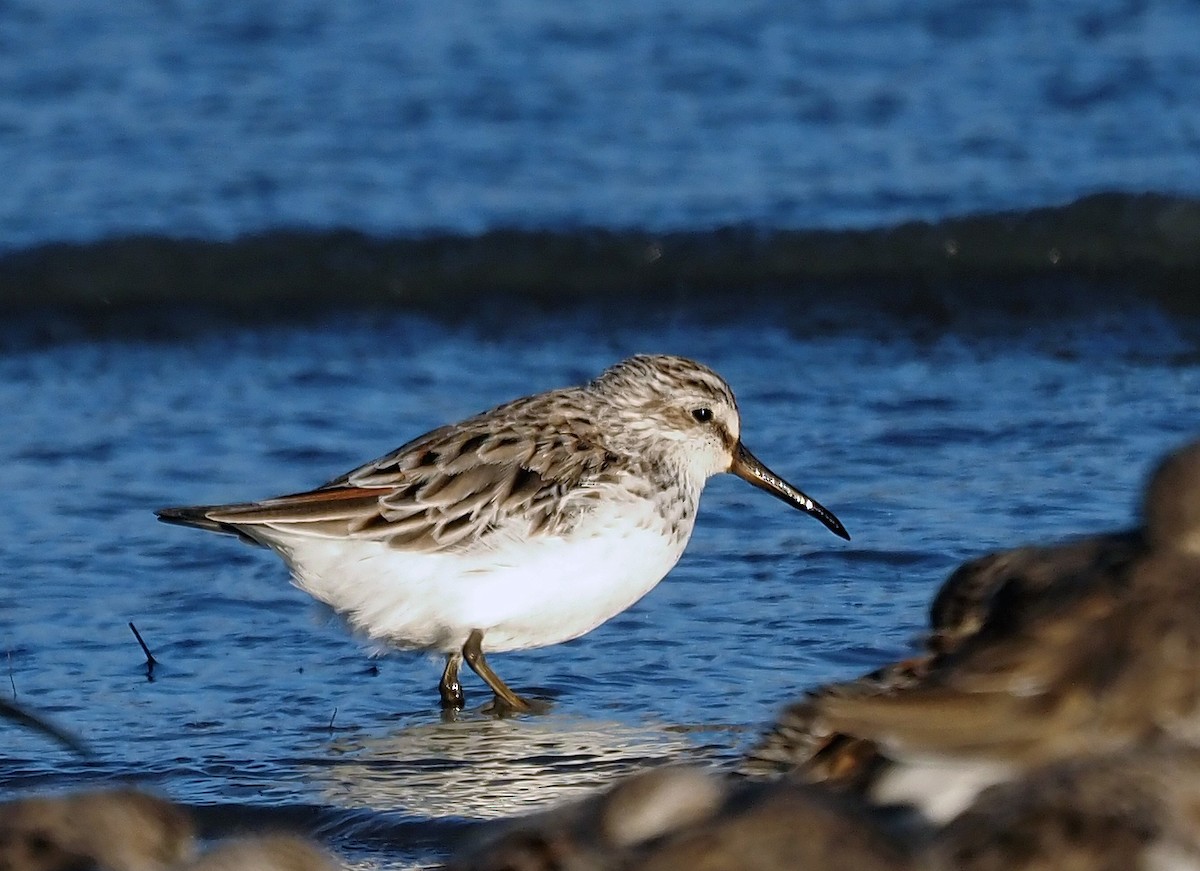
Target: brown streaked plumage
column 271, row 852
column 984, row 599
column 1130, row 811
column 526, row 525
column 114, row 830
column 995, row 593
column 686, row 818
column 800, row 743
column 1036, row 653
column 601, row 832
column 782, row 827
column 1108, row 672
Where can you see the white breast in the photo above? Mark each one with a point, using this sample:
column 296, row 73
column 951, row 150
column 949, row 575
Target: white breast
column 522, row 594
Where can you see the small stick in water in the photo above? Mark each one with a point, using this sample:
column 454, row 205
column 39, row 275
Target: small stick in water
column 150, row 660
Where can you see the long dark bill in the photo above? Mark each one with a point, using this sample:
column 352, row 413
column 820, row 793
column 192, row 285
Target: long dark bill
column 747, row 467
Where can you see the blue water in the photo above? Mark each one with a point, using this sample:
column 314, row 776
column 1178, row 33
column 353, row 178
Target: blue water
column 213, row 119
column 209, row 118
column 930, row 447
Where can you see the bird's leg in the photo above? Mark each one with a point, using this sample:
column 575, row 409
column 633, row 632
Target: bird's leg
column 506, row 699
column 449, row 687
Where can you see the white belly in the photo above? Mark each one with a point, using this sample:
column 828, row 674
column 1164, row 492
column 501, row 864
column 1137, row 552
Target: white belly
column 938, row 787
column 521, row 595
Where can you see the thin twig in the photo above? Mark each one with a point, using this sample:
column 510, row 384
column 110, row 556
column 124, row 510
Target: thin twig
column 150, row 660
column 16, row 713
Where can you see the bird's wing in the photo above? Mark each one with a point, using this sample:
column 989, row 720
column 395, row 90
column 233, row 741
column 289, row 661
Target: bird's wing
column 999, row 591
column 512, row 468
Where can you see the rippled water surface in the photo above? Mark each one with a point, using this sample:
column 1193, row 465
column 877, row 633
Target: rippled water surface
column 210, row 118
column 931, row 448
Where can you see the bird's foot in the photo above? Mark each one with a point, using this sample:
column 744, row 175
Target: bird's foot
column 506, row 707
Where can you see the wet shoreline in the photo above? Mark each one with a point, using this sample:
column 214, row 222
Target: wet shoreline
column 1105, row 248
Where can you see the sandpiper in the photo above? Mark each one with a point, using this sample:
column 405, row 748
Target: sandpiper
column 676, row 817
column 114, row 829
column 1037, row 653
column 267, row 852
column 1134, row 809
column 524, row 526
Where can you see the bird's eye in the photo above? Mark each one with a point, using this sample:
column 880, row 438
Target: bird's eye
column 704, row 415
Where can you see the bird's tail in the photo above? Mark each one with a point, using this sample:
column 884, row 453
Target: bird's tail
column 197, row 516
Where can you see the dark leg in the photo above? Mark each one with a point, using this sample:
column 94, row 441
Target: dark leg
column 506, row 699
column 450, row 688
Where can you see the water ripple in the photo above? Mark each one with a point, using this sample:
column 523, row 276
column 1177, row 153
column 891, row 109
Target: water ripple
column 261, row 708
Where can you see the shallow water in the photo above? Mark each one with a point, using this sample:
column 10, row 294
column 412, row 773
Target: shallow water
column 931, row 448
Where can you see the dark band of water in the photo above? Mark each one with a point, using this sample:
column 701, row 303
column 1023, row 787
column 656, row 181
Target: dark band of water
column 1122, row 247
